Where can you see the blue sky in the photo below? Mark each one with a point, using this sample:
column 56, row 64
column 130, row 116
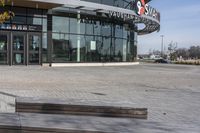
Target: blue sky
column 180, row 22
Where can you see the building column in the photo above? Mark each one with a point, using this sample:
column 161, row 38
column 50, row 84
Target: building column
column 49, row 38
column 78, row 37
column 124, row 50
column 125, row 44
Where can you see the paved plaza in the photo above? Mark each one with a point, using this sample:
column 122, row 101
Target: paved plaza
column 170, row 92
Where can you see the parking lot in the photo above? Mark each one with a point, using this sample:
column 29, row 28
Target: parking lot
column 170, row 92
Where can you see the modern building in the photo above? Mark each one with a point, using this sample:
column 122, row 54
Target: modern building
column 74, row 31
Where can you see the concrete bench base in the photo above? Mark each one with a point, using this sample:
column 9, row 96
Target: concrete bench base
column 47, row 123
column 92, row 64
column 42, row 123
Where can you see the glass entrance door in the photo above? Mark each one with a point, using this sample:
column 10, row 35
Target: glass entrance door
column 18, row 49
column 34, row 49
column 4, row 39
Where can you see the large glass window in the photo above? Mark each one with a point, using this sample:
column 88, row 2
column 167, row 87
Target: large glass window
column 97, row 28
column 34, row 21
column 126, row 31
column 118, row 31
column 3, row 49
column 77, row 48
column 106, row 29
column 89, row 47
column 97, row 39
column 82, row 55
column 44, row 24
column 34, row 49
column 131, row 51
column 73, row 48
column 19, row 20
column 3, row 42
column 3, row 58
column 96, row 54
column 61, row 24
column 73, row 25
column 118, row 48
column 61, row 48
column 18, row 49
column 82, row 26
column 105, row 49
column 89, row 28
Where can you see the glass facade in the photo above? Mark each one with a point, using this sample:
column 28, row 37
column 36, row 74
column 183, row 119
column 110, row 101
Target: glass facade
column 90, row 39
column 40, row 37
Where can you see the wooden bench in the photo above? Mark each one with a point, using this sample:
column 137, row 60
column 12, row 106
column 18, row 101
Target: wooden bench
column 78, row 107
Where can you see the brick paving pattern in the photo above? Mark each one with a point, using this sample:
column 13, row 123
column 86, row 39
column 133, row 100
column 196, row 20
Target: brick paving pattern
column 170, row 92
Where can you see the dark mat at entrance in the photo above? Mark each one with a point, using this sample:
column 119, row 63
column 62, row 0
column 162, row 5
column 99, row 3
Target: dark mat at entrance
column 78, row 107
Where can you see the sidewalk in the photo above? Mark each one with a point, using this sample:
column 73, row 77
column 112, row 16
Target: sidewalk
column 170, row 92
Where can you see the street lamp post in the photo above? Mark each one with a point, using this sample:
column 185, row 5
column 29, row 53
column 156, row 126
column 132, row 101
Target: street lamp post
column 162, row 45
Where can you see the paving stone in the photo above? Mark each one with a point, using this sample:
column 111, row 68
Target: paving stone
column 42, row 123
column 173, row 90
column 9, row 123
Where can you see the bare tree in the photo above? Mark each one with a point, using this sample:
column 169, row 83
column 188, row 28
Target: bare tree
column 172, row 50
column 183, row 52
column 194, row 52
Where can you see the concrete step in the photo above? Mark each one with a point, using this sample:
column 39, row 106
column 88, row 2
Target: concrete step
column 47, row 123
column 78, row 107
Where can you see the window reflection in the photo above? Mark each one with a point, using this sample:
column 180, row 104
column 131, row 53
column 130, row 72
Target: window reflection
column 118, row 55
column 61, row 48
column 34, row 21
column 3, row 49
column 60, row 24
column 99, row 40
column 18, row 49
column 73, row 25
column 3, row 42
column 89, row 28
column 18, row 42
column 34, row 42
column 3, row 58
column 97, row 28
column 118, row 30
column 106, row 29
column 105, row 49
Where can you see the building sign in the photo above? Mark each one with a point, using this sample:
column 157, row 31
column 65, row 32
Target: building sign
column 93, row 45
column 20, row 27
column 143, row 8
column 140, row 8
column 35, row 28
